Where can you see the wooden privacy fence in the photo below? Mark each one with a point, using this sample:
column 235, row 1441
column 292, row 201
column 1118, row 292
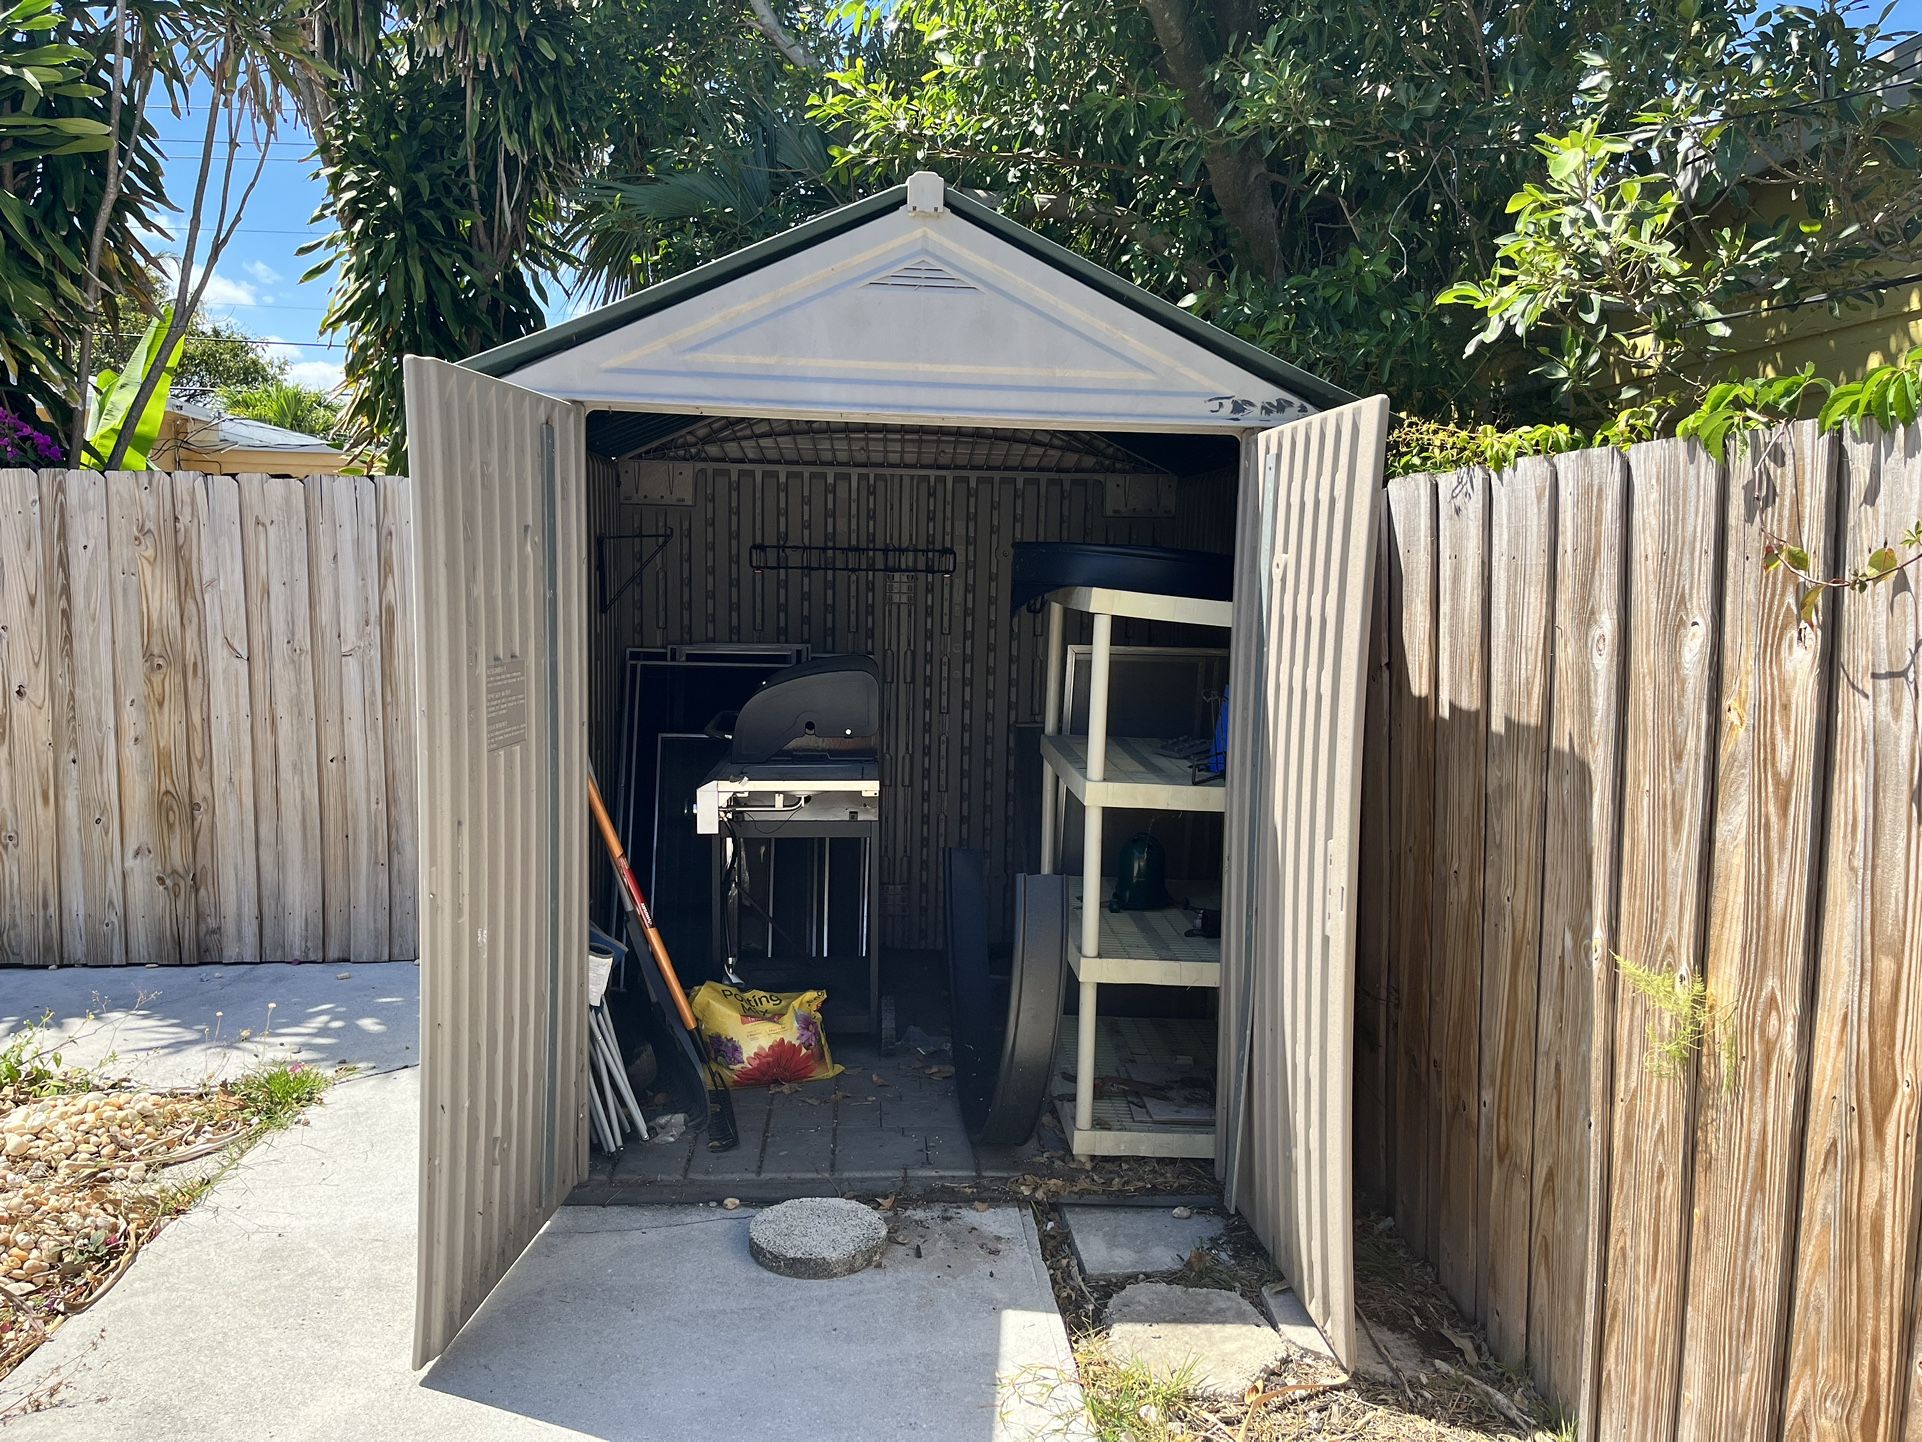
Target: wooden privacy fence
column 207, row 727
column 1596, row 729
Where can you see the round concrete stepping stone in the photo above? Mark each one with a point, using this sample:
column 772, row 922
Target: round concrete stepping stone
column 1210, row 1337
column 816, row 1238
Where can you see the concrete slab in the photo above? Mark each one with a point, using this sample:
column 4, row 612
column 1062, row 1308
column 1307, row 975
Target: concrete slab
column 178, row 1025
column 1126, row 1241
column 282, row 1306
column 1211, row 1338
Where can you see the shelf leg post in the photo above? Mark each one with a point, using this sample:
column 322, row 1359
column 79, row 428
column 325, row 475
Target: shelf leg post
column 1084, row 1060
column 1091, row 899
column 1091, row 849
column 1051, row 717
column 1098, row 697
column 1048, row 823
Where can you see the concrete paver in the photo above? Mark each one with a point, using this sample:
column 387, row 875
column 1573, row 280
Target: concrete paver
column 1116, row 1241
column 1211, row 1337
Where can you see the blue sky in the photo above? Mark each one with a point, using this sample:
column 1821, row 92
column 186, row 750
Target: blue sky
column 257, row 284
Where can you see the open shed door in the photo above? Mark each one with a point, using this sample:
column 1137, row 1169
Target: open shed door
column 1304, row 574
column 500, row 576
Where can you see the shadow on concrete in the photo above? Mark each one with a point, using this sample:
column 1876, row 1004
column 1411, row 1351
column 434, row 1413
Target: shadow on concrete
column 172, row 1026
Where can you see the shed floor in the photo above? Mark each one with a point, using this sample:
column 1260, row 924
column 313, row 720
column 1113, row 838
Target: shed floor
column 884, row 1125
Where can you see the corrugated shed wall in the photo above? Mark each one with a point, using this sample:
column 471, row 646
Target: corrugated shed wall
column 1303, row 579
column 500, row 546
column 957, row 676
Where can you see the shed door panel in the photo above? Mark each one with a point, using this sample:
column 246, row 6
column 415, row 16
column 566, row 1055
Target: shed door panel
column 1304, row 572
column 499, row 526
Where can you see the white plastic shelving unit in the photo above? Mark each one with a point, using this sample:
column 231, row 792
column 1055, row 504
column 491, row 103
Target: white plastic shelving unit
column 1136, row 948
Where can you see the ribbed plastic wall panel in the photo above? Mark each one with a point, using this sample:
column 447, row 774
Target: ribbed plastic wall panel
column 500, row 520
column 958, row 673
column 1303, row 585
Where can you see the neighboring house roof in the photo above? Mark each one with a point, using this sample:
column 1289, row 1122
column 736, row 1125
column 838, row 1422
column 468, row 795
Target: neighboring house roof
column 203, row 439
column 209, row 430
column 517, row 355
column 1905, row 60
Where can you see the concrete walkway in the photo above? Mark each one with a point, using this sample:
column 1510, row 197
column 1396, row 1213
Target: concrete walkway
column 282, row 1307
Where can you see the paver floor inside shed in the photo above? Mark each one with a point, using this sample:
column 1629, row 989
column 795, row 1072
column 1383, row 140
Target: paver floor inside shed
column 883, row 1125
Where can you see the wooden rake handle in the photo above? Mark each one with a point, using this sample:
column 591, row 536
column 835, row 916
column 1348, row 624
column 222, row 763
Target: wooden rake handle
column 637, row 903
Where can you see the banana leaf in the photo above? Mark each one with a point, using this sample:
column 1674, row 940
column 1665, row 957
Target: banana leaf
column 117, row 394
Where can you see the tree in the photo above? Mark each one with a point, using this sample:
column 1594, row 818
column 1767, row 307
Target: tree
column 1312, row 177
column 283, row 403
column 1616, row 276
column 215, row 356
column 709, row 145
column 451, row 131
column 247, row 54
column 80, row 183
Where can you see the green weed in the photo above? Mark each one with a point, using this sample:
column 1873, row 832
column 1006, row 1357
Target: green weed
column 1127, row 1403
column 1685, row 1018
column 28, row 1068
column 276, row 1094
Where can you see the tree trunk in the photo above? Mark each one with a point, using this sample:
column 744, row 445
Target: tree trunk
column 1237, row 172
column 97, row 242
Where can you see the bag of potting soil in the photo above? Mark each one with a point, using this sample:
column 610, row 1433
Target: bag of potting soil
column 764, row 1038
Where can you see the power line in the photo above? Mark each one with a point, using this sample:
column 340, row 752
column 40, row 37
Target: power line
column 259, row 340
column 259, row 305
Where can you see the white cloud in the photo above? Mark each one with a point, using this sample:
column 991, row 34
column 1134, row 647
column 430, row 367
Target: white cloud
column 302, row 369
column 320, row 374
column 221, row 289
column 263, row 273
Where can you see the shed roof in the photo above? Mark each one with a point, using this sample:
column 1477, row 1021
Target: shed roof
column 921, row 263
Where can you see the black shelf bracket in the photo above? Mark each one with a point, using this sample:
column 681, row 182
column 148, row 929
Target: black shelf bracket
column 661, row 541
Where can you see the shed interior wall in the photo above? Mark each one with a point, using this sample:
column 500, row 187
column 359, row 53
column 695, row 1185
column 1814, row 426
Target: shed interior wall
column 962, row 684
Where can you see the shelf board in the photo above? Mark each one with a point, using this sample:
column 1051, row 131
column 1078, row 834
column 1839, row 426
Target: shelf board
column 1117, row 1131
column 1147, row 948
column 1145, row 606
column 1138, row 776
column 1146, row 1141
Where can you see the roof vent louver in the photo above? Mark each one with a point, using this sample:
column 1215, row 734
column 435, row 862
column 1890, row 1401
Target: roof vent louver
column 923, row 274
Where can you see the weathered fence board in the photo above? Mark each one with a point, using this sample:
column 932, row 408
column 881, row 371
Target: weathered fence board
column 1461, row 688
column 1703, row 786
column 171, row 666
column 192, row 681
column 395, row 552
column 236, row 882
column 1758, row 954
column 156, row 841
column 1674, row 539
column 1854, row 1307
column 73, row 505
column 1575, row 1002
column 324, row 582
column 1406, row 774
column 1521, row 591
column 28, row 828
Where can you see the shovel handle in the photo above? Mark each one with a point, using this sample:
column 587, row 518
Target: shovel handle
column 637, row 903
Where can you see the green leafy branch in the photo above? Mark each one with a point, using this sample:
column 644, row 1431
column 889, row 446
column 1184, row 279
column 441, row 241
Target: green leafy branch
column 1889, row 396
column 1882, row 563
